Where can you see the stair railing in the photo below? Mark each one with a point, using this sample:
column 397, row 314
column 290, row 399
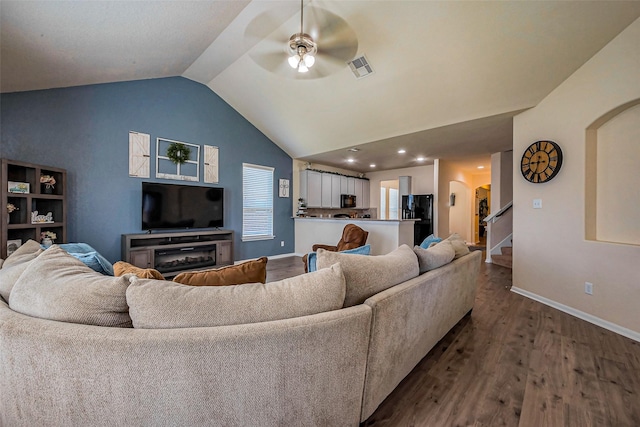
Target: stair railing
column 499, row 230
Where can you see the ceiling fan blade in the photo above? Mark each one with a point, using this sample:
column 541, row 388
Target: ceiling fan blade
column 332, row 34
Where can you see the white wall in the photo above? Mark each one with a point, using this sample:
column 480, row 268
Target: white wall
column 618, row 179
column 552, row 260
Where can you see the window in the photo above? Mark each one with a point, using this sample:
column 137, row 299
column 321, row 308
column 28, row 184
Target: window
column 389, row 199
column 257, row 202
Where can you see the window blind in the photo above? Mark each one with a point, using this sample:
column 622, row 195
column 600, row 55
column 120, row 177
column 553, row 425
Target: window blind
column 257, row 202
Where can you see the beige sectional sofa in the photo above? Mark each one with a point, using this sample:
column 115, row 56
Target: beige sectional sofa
column 331, row 368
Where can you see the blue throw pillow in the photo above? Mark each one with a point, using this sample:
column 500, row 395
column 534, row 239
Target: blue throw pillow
column 89, row 256
column 429, row 240
column 362, row 250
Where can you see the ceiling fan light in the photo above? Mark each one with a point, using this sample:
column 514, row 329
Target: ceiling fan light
column 309, row 60
column 294, row 61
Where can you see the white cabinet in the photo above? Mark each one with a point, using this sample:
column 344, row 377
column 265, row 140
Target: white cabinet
column 323, row 190
column 326, row 190
column 366, row 194
column 344, row 186
column 358, row 192
column 351, row 186
column 335, row 190
column 311, row 188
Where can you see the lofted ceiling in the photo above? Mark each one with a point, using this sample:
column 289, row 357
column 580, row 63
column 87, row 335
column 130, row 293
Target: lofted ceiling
column 448, row 75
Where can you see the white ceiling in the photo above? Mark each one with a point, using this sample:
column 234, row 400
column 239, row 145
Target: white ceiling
column 448, row 75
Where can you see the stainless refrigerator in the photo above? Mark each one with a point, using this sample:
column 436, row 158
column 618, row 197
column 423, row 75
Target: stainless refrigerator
column 420, row 208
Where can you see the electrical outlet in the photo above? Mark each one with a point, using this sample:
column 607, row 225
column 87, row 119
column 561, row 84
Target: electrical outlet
column 588, row 288
column 282, row 243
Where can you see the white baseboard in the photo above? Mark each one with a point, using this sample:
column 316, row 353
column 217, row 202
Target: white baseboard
column 579, row 314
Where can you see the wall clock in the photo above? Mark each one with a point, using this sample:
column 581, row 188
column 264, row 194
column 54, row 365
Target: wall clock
column 541, row 161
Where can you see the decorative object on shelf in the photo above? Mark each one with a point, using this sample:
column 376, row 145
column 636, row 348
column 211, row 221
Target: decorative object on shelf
column 541, row 161
column 139, row 154
column 360, row 175
column 11, row 208
column 48, row 183
column 18, row 187
column 47, row 238
column 283, row 188
column 177, row 160
column 13, row 245
column 41, row 219
column 178, row 153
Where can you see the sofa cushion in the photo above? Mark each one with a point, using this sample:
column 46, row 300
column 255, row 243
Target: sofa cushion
column 368, row 275
column 312, row 256
column 89, row 257
column 57, row 286
column 429, row 240
column 121, row 268
column 459, row 245
column 15, row 265
column 436, row 256
column 155, row 304
column 247, row 272
column 30, row 250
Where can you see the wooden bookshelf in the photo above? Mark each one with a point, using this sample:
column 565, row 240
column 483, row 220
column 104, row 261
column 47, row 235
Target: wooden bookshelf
column 18, row 225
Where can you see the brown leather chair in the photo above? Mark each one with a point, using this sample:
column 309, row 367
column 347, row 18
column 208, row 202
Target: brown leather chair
column 352, row 237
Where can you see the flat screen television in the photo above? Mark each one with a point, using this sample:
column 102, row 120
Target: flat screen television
column 176, row 206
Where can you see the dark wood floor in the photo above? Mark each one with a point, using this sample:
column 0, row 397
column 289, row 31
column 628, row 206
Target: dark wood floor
column 513, row 362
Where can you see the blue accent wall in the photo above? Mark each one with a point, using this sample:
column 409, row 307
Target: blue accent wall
column 85, row 130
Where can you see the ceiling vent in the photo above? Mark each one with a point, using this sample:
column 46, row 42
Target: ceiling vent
column 360, row 67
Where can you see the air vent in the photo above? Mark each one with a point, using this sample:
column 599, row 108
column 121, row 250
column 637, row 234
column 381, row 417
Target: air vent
column 360, row 67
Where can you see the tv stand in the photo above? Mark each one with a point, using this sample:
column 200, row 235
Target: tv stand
column 176, row 252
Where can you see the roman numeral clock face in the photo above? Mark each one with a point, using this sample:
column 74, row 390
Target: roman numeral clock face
column 541, row 161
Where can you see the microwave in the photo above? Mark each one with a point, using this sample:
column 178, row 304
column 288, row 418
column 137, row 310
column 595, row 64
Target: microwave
column 347, row 201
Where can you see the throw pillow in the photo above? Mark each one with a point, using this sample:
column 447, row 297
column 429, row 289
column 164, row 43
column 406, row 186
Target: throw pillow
column 15, row 265
column 30, row 250
column 429, row 240
column 57, row 286
column 89, row 256
column 367, row 275
column 312, row 256
column 154, row 304
column 247, row 272
column 121, row 268
column 436, row 256
column 459, row 245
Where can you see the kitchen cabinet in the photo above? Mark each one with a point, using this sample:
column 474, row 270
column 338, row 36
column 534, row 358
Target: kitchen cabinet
column 324, row 189
column 326, row 194
column 335, row 190
column 311, row 188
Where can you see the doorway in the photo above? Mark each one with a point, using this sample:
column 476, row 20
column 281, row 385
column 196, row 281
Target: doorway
column 482, row 210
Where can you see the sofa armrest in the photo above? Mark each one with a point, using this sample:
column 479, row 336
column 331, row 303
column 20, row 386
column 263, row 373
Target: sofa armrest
column 325, row 247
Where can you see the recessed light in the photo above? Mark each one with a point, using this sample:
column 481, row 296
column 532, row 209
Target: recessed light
column 372, row 165
column 421, row 159
column 402, row 151
column 353, row 150
column 480, row 167
column 350, row 160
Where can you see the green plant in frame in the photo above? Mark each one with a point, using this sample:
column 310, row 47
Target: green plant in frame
column 178, row 153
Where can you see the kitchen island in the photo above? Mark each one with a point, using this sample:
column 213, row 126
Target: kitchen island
column 385, row 235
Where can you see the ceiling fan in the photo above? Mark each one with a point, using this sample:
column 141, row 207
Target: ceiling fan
column 320, row 46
